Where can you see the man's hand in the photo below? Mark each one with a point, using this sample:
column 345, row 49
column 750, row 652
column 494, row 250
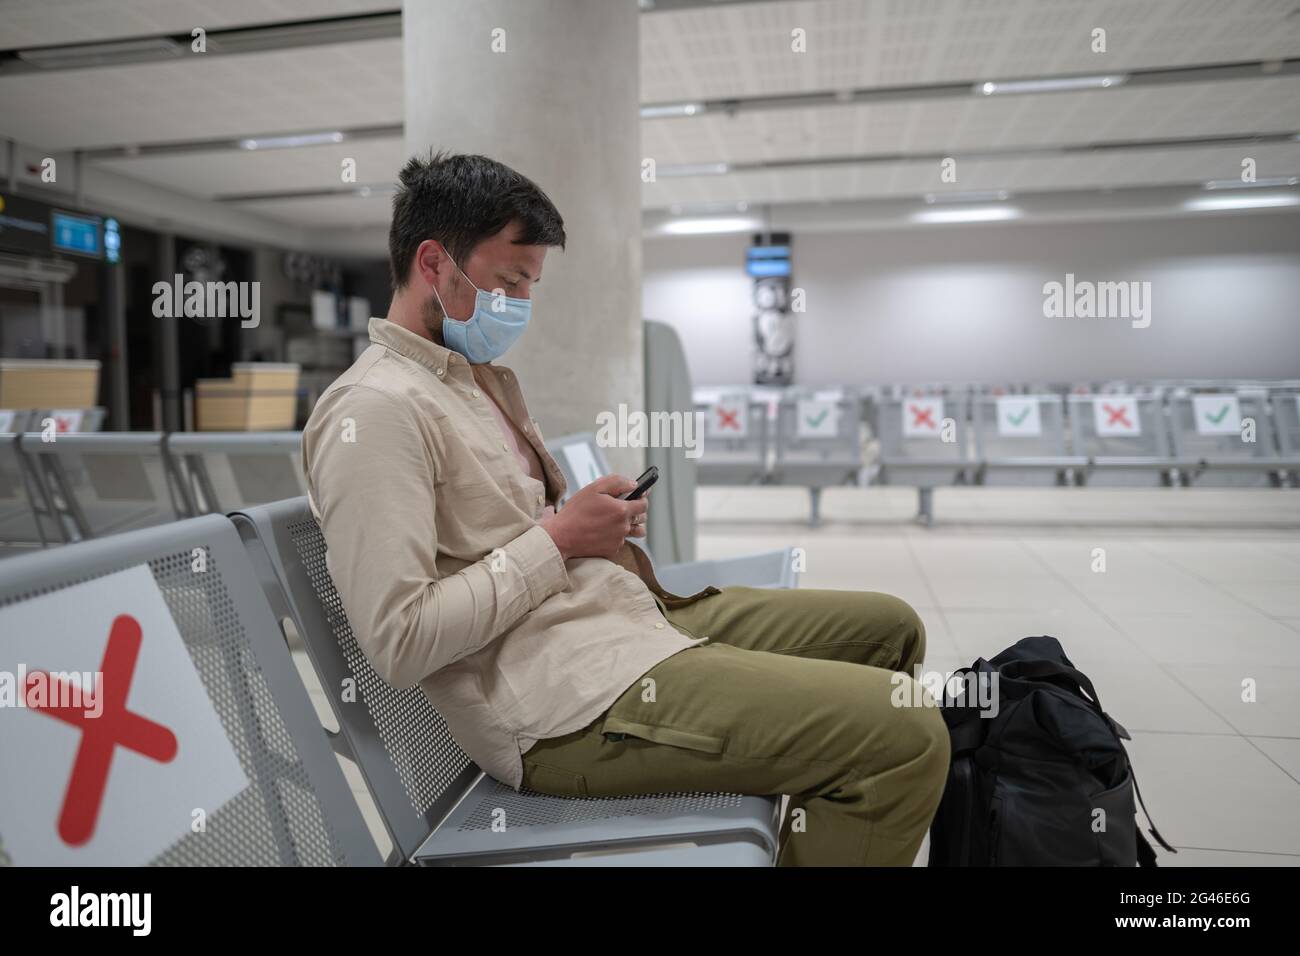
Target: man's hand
column 594, row 522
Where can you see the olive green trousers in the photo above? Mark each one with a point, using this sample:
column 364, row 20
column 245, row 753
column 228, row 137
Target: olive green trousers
column 796, row 692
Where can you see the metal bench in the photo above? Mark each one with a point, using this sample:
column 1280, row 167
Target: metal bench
column 1020, row 440
column 913, row 450
column 1285, row 403
column 26, row 522
column 107, row 482
column 818, row 443
column 297, row 809
column 737, row 437
column 226, row 471
column 1207, row 430
column 437, row 805
column 1125, row 439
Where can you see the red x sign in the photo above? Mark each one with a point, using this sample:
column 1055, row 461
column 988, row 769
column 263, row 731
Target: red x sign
column 922, row 416
column 116, row 726
column 1116, row 416
column 728, row 419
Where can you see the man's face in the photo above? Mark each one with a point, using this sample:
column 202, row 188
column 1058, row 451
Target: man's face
column 497, row 265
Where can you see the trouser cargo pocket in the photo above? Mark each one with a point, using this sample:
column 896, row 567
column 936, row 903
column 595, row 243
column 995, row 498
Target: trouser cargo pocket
column 555, row 781
column 618, row 728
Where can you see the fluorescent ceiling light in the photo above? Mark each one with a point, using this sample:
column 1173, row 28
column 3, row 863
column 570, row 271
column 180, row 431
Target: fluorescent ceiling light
column 978, row 214
column 671, row 109
column 701, row 227
column 1213, row 203
column 1063, row 84
column 692, row 169
column 1238, row 184
column 985, row 195
column 288, row 142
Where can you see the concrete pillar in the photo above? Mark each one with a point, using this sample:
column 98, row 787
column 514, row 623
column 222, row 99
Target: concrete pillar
column 552, row 90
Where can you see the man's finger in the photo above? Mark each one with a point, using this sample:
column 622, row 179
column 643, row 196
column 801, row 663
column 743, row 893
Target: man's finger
column 612, row 485
column 637, row 506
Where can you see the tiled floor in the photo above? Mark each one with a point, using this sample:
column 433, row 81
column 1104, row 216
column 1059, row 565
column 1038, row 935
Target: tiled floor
column 1198, row 596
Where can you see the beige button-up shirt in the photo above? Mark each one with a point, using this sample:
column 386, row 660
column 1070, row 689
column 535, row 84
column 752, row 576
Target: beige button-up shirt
column 447, row 578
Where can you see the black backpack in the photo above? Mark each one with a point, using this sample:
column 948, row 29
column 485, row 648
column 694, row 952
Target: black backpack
column 1026, row 784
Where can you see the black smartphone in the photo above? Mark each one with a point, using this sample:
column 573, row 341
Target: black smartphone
column 648, row 478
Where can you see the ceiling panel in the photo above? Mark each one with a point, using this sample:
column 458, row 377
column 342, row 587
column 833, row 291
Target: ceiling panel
column 979, row 122
column 746, row 49
column 893, row 180
column 29, row 23
column 322, row 87
column 242, row 172
column 341, row 211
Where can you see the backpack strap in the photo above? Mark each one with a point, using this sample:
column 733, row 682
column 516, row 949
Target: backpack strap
column 1143, row 804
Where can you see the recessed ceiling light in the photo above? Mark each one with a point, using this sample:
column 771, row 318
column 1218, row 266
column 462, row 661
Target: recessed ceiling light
column 692, row 169
column 669, row 110
column 1239, row 184
column 1248, row 201
column 707, row 226
column 979, row 214
column 1061, row 84
column 288, row 142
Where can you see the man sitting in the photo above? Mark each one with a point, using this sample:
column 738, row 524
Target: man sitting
column 540, row 635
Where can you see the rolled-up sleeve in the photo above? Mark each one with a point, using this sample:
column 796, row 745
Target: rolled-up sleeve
column 372, row 475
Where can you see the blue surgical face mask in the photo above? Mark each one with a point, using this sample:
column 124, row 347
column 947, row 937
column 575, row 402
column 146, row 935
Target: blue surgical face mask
column 496, row 324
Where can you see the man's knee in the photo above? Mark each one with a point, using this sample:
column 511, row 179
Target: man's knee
column 930, row 747
column 887, row 615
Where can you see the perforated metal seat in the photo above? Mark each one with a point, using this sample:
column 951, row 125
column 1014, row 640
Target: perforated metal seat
column 438, row 807
column 297, row 809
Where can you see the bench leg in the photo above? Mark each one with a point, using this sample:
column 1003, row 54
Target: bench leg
column 815, row 517
column 925, row 506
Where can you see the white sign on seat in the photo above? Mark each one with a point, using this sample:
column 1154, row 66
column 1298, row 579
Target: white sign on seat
column 923, row 417
column 817, row 418
column 1216, row 414
column 110, row 748
column 1019, row 417
column 729, row 417
column 1116, row 416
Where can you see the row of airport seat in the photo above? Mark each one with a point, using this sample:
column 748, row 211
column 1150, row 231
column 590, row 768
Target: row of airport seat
column 1248, row 437
column 63, row 488
column 263, row 581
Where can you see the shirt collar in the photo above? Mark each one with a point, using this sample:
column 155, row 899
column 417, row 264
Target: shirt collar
column 422, row 350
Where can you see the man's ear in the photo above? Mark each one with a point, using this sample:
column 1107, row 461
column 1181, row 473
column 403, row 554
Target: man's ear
column 431, row 261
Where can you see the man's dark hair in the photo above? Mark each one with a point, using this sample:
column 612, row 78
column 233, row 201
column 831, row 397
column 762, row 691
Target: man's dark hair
column 460, row 200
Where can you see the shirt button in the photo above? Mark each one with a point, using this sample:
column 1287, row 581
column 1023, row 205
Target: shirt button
column 659, row 626
column 541, row 499
column 505, row 447
column 439, row 371
column 528, row 428
column 474, row 393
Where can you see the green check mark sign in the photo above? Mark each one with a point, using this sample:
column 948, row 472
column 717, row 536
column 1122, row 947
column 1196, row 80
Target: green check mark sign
column 1019, row 419
column 815, row 420
column 1219, row 416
